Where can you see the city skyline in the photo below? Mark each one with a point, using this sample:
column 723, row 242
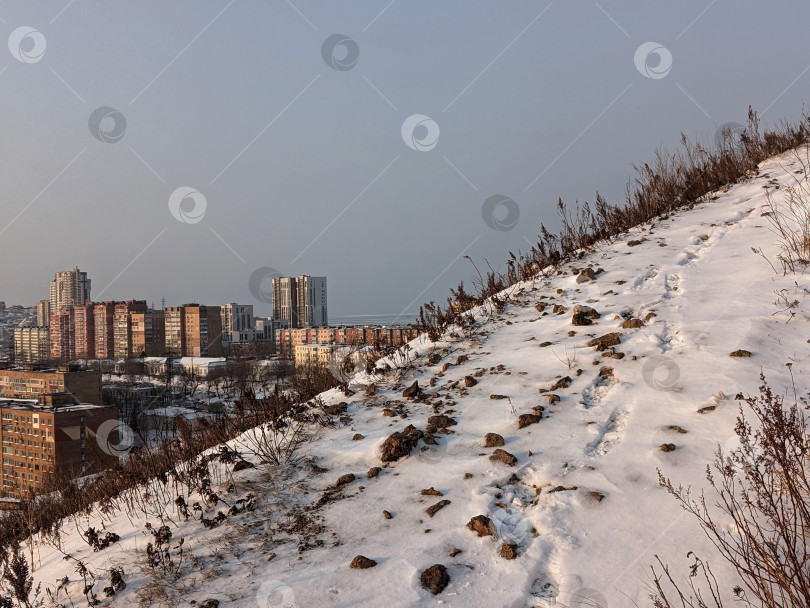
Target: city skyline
column 351, row 157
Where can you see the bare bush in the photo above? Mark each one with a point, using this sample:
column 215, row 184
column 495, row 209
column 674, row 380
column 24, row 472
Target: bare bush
column 760, row 518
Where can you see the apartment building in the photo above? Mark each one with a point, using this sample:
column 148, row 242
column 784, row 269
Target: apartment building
column 50, row 438
column 32, row 344
column 104, row 328
column 69, row 288
column 43, row 313
column 122, row 328
column 62, row 334
column 148, row 330
column 300, row 301
column 238, row 323
column 30, row 383
column 203, row 331
column 84, row 331
column 194, row 330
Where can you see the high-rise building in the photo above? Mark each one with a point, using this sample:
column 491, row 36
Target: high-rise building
column 84, row 331
column 193, row 330
column 237, row 323
column 285, row 300
column 62, row 334
column 104, row 321
column 43, row 313
column 203, row 326
column 148, row 333
column 69, row 288
column 122, row 328
column 300, row 301
column 32, row 344
column 175, row 325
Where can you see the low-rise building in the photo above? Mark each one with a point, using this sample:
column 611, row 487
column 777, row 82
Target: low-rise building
column 53, row 438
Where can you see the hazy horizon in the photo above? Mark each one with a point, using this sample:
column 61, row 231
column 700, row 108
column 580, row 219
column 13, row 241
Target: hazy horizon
column 371, row 158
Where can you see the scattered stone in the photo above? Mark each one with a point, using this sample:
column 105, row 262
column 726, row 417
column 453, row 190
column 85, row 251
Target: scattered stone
column 435, row 578
column 388, row 412
column 606, row 341
column 564, row 382
column 503, row 456
column 400, row 444
column 344, row 479
column 528, row 453
column 241, row 466
column 606, row 373
column 740, row 353
column 455, row 551
column 650, row 315
column 525, row 420
column 674, row 427
column 636, row 242
column 597, row 496
column 498, row 397
column 585, row 275
column 337, row 409
column 540, row 306
column 441, row 421
column 558, row 309
column 358, row 437
column 633, row 324
column 387, row 515
column 371, row 389
column 562, row 489
column 434, row 359
column 493, row 440
column 468, row 475
column 481, row 525
column 620, row 282
column 508, row 550
column 583, row 315
column 445, row 366
column 462, row 359
column 552, row 398
column 316, row 470
column 667, row 447
column 469, row 381
column 210, row 603
column 431, row 491
column 707, row 409
column 412, row 391
column 544, row 344
column 373, row 472
column 433, row 509
column 362, row 563
column 429, row 439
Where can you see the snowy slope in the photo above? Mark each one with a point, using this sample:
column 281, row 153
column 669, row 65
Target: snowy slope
column 710, row 295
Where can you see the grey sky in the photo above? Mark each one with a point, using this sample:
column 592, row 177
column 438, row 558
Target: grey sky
column 533, row 100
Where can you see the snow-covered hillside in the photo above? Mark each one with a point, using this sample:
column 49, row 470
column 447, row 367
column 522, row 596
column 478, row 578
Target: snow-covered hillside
column 581, row 502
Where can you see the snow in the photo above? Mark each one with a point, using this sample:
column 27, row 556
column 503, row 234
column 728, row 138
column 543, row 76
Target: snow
column 710, row 296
